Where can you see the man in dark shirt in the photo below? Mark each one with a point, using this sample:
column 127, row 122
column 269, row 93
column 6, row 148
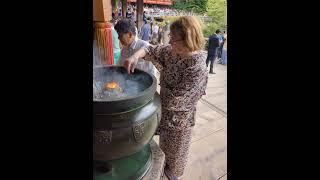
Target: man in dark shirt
column 212, row 49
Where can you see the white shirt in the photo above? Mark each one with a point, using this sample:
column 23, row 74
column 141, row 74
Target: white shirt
column 225, row 45
column 126, row 52
column 155, row 29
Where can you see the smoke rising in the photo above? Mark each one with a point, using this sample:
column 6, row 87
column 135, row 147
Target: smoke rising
column 131, row 84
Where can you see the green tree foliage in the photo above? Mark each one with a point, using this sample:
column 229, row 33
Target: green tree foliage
column 198, row 6
column 215, row 9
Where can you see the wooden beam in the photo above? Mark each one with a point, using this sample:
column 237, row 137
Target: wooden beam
column 124, row 8
column 102, row 14
column 102, row 10
column 139, row 13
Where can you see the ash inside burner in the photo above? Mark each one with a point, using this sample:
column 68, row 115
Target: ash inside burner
column 100, row 93
column 111, row 84
column 128, row 88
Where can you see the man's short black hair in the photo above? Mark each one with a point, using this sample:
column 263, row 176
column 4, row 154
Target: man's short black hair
column 218, row 31
column 125, row 26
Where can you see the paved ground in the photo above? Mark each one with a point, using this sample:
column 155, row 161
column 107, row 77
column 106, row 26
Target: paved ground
column 208, row 151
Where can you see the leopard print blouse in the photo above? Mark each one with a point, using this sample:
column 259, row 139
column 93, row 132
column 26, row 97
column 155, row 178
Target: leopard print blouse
column 183, row 81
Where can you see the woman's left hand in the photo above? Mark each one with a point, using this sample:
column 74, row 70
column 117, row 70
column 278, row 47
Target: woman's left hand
column 130, row 64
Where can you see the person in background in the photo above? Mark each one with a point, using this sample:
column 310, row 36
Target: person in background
column 128, row 13
column 137, row 32
column 145, row 31
column 116, row 45
column 160, row 35
column 120, row 12
column 144, row 17
column 219, row 50
column 126, row 30
column 213, row 46
column 155, row 31
column 155, row 28
column 222, row 39
column 166, row 32
column 134, row 15
column 224, row 52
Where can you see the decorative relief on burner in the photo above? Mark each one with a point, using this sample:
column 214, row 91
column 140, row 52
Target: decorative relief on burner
column 158, row 118
column 138, row 131
column 103, row 137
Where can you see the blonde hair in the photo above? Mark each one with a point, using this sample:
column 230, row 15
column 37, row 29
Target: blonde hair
column 189, row 28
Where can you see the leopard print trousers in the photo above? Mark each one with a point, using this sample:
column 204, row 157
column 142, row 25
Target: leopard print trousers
column 175, row 145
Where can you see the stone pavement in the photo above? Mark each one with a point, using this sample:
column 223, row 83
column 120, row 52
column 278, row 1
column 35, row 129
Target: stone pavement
column 208, row 151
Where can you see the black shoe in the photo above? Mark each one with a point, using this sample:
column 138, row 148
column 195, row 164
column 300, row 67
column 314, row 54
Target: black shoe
column 211, row 71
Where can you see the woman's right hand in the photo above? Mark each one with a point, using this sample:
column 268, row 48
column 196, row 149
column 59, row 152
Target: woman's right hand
column 130, row 63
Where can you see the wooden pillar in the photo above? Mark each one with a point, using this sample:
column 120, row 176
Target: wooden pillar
column 139, row 13
column 102, row 10
column 102, row 14
column 124, row 8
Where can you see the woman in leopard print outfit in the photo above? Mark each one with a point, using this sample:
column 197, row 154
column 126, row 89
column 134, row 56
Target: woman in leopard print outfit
column 183, row 80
